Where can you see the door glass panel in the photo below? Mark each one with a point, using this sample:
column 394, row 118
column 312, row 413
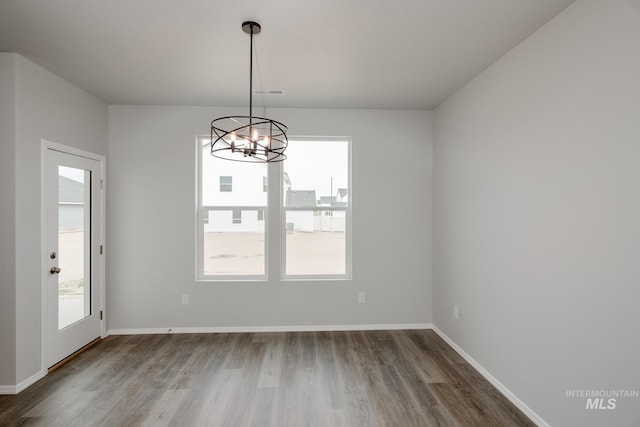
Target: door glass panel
column 74, row 234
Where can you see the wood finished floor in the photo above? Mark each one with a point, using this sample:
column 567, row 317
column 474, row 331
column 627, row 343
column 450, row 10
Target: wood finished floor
column 372, row 378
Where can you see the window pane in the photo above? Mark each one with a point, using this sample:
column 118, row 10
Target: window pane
column 316, row 173
column 231, row 215
column 237, row 216
column 316, row 176
column 316, row 243
column 226, row 183
column 230, row 247
column 74, row 257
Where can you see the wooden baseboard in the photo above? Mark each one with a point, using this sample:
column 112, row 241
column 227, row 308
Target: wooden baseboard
column 73, row 355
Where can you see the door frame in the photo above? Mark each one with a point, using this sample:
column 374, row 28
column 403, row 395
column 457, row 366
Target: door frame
column 45, row 147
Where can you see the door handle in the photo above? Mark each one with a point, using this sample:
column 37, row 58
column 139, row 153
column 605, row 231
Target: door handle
column 54, row 270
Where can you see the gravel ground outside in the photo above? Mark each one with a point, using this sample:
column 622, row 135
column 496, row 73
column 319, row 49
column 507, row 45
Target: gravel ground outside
column 319, row 252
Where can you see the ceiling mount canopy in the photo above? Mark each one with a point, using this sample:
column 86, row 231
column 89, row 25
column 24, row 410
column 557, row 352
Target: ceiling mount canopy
column 249, row 138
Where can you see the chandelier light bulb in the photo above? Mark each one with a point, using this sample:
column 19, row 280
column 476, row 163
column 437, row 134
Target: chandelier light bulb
column 232, row 138
column 265, row 144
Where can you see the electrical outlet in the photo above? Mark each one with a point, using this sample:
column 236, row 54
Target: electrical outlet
column 361, row 298
column 185, row 299
column 456, row 312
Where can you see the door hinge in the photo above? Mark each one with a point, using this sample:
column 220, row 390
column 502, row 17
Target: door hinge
column 100, row 314
column 100, row 249
column 101, row 185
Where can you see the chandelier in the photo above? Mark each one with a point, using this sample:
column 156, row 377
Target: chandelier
column 249, row 138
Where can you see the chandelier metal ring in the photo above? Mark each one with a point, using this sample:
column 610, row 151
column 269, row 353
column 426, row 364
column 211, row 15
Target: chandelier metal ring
column 235, row 140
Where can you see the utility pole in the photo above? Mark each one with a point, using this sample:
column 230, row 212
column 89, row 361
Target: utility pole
column 331, row 195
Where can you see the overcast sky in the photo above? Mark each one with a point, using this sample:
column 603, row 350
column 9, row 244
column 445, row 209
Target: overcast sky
column 311, row 165
column 71, row 173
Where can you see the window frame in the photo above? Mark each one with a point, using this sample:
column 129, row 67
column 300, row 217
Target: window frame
column 201, row 142
column 274, row 221
column 348, row 220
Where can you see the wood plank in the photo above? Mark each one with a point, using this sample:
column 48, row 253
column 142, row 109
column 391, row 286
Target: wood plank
column 360, row 378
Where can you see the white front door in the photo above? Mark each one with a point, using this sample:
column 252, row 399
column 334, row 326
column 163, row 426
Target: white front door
column 72, row 254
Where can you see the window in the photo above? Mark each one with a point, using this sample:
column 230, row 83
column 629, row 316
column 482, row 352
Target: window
column 231, row 238
column 311, row 207
column 317, row 212
column 237, row 216
column 226, row 183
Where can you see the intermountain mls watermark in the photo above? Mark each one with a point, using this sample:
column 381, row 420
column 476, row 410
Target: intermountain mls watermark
column 603, row 399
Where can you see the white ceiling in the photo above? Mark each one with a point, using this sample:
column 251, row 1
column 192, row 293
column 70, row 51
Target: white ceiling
column 322, row 53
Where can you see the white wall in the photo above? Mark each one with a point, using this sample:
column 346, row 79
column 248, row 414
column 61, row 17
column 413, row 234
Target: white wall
column 151, row 176
column 46, row 107
column 7, row 221
column 537, row 201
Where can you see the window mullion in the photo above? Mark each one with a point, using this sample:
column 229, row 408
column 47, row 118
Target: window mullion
column 273, row 217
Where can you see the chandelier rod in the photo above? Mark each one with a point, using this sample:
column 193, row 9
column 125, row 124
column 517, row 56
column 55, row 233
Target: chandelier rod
column 250, row 77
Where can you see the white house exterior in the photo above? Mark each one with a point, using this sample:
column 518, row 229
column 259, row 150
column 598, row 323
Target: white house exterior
column 234, row 197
